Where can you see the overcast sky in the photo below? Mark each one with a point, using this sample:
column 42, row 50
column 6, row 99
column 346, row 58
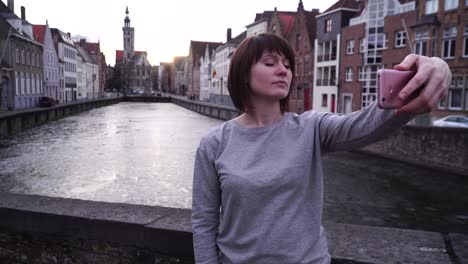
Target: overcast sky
column 163, row 28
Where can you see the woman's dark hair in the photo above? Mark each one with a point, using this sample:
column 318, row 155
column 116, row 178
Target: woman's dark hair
column 249, row 51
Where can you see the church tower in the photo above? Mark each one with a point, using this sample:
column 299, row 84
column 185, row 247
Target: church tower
column 128, row 38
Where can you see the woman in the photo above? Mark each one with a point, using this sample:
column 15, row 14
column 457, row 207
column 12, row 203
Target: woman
column 258, row 184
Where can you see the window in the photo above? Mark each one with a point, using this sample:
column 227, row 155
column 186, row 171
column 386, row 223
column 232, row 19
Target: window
column 448, row 45
column 420, row 38
column 307, row 64
column 350, row 47
column 450, row 4
column 432, row 6
column 456, row 93
column 328, row 25
column 465, row 41
column 324, row 100
column 349, row 74
column 298, row 42
column 362, row 74
column 400, row 39
column 362, row 45
column 18, row 82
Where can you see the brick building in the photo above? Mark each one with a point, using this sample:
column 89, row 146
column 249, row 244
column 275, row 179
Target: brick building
column 441, row 30
column 302, row 39
column 196, row 52
column 328, row 54
column 376, row 38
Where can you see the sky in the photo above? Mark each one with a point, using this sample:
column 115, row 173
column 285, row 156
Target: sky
column 163, row 28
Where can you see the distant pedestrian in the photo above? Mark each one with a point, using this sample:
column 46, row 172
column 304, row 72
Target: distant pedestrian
column 258, row 181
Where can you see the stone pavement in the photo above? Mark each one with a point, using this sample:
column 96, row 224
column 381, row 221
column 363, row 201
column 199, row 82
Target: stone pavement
column 366, row 244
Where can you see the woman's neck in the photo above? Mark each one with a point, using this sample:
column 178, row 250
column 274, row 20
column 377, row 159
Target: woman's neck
column 261, row 115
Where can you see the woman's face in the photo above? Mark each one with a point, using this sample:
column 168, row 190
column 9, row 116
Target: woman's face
column 270, row 77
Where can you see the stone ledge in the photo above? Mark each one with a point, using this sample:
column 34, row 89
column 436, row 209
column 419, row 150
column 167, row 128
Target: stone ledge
column 161, row 231
column 152, row 227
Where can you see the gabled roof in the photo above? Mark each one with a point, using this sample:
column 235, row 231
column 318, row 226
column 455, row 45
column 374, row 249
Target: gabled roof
column 93, row 48
column 4, row 8
column 239, row 38
column 198, row 48
column 39, row 32
column 86, row 56
column 119, row 55
column 287, row 21
column 63, row 37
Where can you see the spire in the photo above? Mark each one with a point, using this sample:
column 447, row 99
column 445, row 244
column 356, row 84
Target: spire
column 301, row 5
column 127, row 19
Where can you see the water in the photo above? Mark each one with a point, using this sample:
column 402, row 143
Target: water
column 139, row 153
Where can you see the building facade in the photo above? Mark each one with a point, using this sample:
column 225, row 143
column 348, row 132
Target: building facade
column 302, row 39
column 328, row 53
column 180, row 64
column 134, row 65
column 50, row 61
column 196, row 52
column 21, row 61
column 67, row 54
column 441, row 30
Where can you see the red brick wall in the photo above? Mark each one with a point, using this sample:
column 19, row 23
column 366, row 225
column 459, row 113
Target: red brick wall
column 304, row 77
column 355, row 60
column 392, row 24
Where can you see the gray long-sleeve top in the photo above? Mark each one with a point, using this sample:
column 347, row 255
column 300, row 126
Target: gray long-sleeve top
column 258, row 192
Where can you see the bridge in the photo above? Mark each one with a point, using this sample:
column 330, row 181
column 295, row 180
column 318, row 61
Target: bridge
column 376, row 210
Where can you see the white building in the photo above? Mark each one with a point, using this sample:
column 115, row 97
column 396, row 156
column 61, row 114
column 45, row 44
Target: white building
column 67, row 54
column 219, row 93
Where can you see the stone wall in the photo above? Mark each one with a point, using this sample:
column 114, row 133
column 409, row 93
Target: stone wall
column 436, row 147
column 43, row 230
column 15, row 121
column 208, row 109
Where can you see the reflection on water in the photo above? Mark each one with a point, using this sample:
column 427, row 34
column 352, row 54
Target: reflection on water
column 140, row 153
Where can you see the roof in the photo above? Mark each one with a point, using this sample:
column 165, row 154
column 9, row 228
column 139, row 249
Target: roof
column 198, row 48
column 63, row 37
column 239, row 38
column 119, row 55
column 86, row 56
column 91, row 47
column 39, row 32
column 351, row 4
column 311, row 25
column 4, row 8
column 287, row 21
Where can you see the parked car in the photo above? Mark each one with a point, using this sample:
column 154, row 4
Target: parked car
column 46, row 101
column 452, row 121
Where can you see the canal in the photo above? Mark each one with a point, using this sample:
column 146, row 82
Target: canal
column 139, row 153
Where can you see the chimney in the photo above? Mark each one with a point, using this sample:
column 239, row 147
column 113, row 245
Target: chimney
column 23, row 13
column 275, row 9
column 82, row 42
column 11, row 5
column 229, row 37
column 315, row 10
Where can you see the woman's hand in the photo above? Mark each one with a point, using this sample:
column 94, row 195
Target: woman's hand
column 433, row 74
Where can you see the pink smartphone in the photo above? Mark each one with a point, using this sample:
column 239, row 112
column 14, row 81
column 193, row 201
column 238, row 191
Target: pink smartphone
column 390, row 83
